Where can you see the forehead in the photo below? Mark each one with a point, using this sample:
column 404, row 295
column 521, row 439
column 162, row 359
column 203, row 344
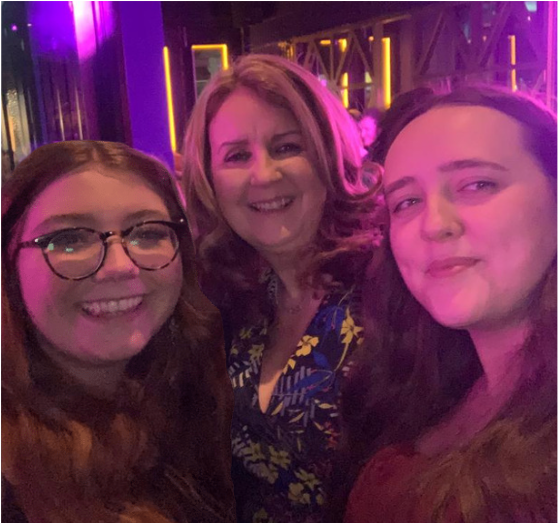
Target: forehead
column 452, row 133
column 97, row 192
column 244, row 111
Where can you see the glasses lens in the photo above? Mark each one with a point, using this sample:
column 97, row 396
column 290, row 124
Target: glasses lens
column 75, row 253
column 152, row 245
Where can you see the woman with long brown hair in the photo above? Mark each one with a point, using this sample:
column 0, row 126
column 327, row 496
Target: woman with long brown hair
column 115, row 400
column 451, row 413
column 284, row 230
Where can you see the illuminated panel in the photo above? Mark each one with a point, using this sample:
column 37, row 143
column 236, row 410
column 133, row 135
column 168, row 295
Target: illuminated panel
column 386, row 77
column 342, row 44
column 345, row 89
column 170, row 105
column 215, row 47
column 513, row 62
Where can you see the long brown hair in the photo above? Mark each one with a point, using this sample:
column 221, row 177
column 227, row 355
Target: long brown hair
column 155, row 450
column 348, row 227
column 413, row 371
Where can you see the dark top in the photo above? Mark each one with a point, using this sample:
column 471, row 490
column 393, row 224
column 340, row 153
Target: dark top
column 285, row 453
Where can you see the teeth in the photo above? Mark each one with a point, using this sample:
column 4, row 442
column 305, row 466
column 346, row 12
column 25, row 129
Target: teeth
column 275, row 205
column 98, row 308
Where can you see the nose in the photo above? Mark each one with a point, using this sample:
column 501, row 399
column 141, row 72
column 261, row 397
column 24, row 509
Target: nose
column 117, row 264
column 265, row 169
column 441, row 220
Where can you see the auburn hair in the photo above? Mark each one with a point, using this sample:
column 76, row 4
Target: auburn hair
column 159, row 449
column 412, row 371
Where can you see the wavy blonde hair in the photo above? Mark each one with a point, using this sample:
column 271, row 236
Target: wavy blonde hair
column 347, row 229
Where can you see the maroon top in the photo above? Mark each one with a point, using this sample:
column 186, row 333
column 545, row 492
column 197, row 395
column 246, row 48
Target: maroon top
column 383, row 491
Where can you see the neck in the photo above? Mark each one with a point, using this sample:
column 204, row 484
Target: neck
column 101, row 378
column 288, row 268
column 499, row 353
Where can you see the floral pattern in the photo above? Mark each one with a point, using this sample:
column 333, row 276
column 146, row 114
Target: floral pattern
column 285, row 453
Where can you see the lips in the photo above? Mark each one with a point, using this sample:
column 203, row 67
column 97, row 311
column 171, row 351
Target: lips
column 111, row 307
column 272, row 205
column 450, row 266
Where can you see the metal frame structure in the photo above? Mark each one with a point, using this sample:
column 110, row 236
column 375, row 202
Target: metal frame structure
column 443, row 43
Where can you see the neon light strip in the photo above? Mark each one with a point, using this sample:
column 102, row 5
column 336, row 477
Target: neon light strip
column 214, row 47
column 345, row 90
column 342, row 44
column 386, row 79
column 513, row 62
column 169, row 98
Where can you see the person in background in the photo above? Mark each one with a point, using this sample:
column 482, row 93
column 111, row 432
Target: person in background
column 116, row 404
column 284, row 228
column 369, row 125
column 450, row 416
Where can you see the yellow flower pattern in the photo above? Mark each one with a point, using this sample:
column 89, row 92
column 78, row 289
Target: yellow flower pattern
column 306, row 344
column 288, row 449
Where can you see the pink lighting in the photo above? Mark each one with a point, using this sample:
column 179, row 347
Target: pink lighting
column 93, row 24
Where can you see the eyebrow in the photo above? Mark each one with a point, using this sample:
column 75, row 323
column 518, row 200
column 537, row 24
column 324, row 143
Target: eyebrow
column 456, row 165
column 244, row 141
column 78, row 219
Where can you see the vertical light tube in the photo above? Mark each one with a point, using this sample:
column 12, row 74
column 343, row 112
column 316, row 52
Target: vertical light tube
column 386, row 76
column 225, row 54
column 513, row 62
column 170, row 105
column 345, row 90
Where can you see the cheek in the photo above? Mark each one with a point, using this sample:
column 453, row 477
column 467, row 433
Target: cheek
column 40, row 289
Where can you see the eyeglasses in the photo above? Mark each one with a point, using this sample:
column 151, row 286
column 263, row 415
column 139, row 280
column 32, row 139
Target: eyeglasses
column 79, row 252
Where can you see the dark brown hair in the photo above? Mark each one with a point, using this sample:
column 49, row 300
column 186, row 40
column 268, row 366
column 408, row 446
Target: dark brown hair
column 413, row 371
column 348, row 227
column 157, row 451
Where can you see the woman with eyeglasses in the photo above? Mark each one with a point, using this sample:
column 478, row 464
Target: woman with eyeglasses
column 116, row 405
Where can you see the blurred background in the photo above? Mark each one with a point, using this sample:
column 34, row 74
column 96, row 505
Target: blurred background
column 131, row 71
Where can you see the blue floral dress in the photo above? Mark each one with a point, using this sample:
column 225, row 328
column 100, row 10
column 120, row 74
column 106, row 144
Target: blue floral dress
column 285, row 453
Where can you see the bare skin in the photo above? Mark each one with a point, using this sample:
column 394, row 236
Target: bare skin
column 288, row 327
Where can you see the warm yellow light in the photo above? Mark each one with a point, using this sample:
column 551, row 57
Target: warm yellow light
column 513, row 62
column 170, row 105
column 325, row 42
column 386, row 76
column 215, row 47
column 370, row 38
column 345, row 90
column 343, row 44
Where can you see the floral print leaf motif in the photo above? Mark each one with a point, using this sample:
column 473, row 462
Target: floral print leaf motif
column 280, row 458
column 297, row 417
column 320, row 359
column 291, row 363
column 306, row 344
column 245, row 333
column 277, row 409
column 253, row 452
column 256, row 351
column 349, row 329
column 261, row 516
column 308, row 479
column 297, row 494
column 326, row 406
column 267, row 472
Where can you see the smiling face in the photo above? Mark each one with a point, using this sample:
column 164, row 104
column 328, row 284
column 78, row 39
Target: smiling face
column 473, row 216
column 110, row 316
column 265, row 185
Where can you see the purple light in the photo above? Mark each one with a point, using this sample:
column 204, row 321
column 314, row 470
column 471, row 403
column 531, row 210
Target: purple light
column 88, row 33
column 14, row 27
